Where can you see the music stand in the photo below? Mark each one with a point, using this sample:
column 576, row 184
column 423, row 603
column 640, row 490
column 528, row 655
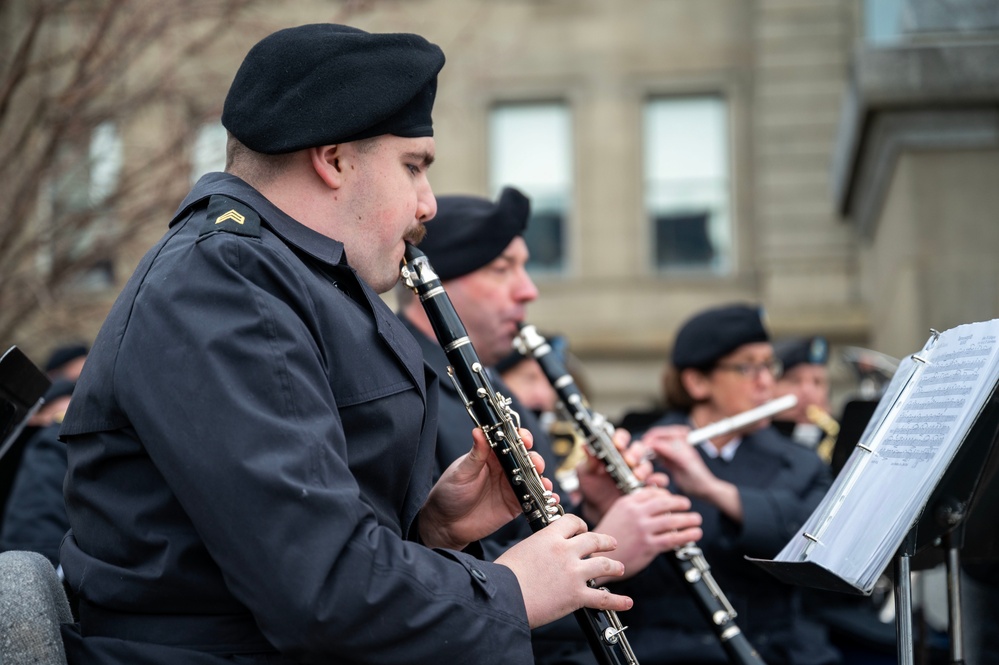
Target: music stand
column 908, row 484
column 22, row 386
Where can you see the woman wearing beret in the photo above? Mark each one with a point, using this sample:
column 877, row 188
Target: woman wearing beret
column 753, row 488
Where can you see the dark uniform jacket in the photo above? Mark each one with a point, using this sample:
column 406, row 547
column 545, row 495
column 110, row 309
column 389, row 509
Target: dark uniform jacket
column 560, row 642
column 249, row 447
column 780, row 483
column 35, row 517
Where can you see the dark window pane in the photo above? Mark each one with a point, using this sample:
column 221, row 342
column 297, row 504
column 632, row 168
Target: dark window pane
column 544, row 240
column 682, row 240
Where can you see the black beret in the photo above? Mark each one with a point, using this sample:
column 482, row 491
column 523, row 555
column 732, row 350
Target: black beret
column 323, row 83
column 468, row 231
column 714, row 333
column 65, row 354
column 800, row 351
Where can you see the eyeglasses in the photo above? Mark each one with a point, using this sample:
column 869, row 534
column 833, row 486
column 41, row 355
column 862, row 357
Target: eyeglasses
column 753, row 370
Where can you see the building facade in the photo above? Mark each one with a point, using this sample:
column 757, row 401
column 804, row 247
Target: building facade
column 681, row 154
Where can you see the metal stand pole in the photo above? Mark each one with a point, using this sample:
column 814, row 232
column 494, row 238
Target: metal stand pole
column 955, row 627
column 903, row 610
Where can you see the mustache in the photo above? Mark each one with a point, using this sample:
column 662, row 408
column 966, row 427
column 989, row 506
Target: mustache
column 415, row 234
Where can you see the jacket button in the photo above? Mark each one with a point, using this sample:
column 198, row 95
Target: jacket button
column 478, row 574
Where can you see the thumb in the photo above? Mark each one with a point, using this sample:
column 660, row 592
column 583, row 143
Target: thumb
column 481, row 450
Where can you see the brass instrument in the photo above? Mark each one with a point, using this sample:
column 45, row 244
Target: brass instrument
column 830, row 430
column 569, row 446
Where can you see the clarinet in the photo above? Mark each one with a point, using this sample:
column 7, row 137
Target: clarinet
column 492, row 413
column 688, row 560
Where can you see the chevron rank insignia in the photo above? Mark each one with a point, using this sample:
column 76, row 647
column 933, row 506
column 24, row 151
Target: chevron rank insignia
column 230, row 216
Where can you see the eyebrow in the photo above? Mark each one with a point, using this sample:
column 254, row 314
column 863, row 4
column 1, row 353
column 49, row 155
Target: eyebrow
column 423, row 157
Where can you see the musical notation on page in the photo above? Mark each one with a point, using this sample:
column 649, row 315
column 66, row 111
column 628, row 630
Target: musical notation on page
column 925, row 414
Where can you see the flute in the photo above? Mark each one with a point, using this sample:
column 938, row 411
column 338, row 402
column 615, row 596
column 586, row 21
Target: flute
column 492, row 413
column 687, row 561
column 740, row 420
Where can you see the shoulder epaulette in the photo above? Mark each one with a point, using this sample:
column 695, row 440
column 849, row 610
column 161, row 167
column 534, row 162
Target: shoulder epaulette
column 231, row 216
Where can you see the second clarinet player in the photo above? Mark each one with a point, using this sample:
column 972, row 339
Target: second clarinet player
column 490, row 411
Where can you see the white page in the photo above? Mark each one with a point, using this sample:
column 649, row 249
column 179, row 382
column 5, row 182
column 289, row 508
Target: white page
column 926, row 413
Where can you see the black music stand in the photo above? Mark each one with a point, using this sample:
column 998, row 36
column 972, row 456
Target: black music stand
column 942, row 528
column 920, row 469
column 22, row 386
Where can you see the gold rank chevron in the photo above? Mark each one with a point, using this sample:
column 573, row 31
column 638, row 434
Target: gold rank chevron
column 233, row 215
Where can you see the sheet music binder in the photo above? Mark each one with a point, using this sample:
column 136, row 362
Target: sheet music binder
column 915, row 472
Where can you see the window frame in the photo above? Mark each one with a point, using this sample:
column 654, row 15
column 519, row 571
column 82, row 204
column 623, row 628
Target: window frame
column 496, row 182
column 725, row 266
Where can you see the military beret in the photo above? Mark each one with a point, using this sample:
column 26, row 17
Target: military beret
column 800, row 351
column 468, row 231
column 65, row 354
column 714, row 333
column 323, row 83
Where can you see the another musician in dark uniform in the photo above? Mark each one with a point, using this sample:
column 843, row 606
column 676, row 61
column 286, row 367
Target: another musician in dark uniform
column 805, row 362
column 34, row 518
column 476, row 247
column 251, row 441
column 753, row 488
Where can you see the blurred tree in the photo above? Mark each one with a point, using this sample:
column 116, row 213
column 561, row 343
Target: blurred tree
column 100, row 101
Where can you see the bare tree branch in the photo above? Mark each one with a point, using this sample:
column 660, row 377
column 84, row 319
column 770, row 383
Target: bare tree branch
column 73, row 66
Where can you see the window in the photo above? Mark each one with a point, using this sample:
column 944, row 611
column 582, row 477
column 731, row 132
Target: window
column 686, row 166
column 208, row 152
column 882, row 22
column 530, row 148
column 81, row 202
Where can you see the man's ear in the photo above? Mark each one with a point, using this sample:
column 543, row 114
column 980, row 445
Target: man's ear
column 326, row 162
column 696, row 383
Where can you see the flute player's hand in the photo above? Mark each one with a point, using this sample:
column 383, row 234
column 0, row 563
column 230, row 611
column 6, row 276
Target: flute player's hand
column 687, row 471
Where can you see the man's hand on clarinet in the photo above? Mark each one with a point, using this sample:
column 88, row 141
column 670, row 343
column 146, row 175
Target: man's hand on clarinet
column 473, row 497
column 553, row 566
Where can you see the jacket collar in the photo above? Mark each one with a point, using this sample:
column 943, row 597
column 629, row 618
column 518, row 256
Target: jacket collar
column 292, row 232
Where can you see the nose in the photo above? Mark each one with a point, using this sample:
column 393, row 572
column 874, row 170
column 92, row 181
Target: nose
column 426, row 204
column 764, row 375
column 525, row 290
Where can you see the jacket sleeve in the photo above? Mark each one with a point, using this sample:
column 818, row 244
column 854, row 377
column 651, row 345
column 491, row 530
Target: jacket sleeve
column 235, row 407
column 35, row 518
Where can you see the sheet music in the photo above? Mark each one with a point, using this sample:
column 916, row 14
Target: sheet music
column 924, row 416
